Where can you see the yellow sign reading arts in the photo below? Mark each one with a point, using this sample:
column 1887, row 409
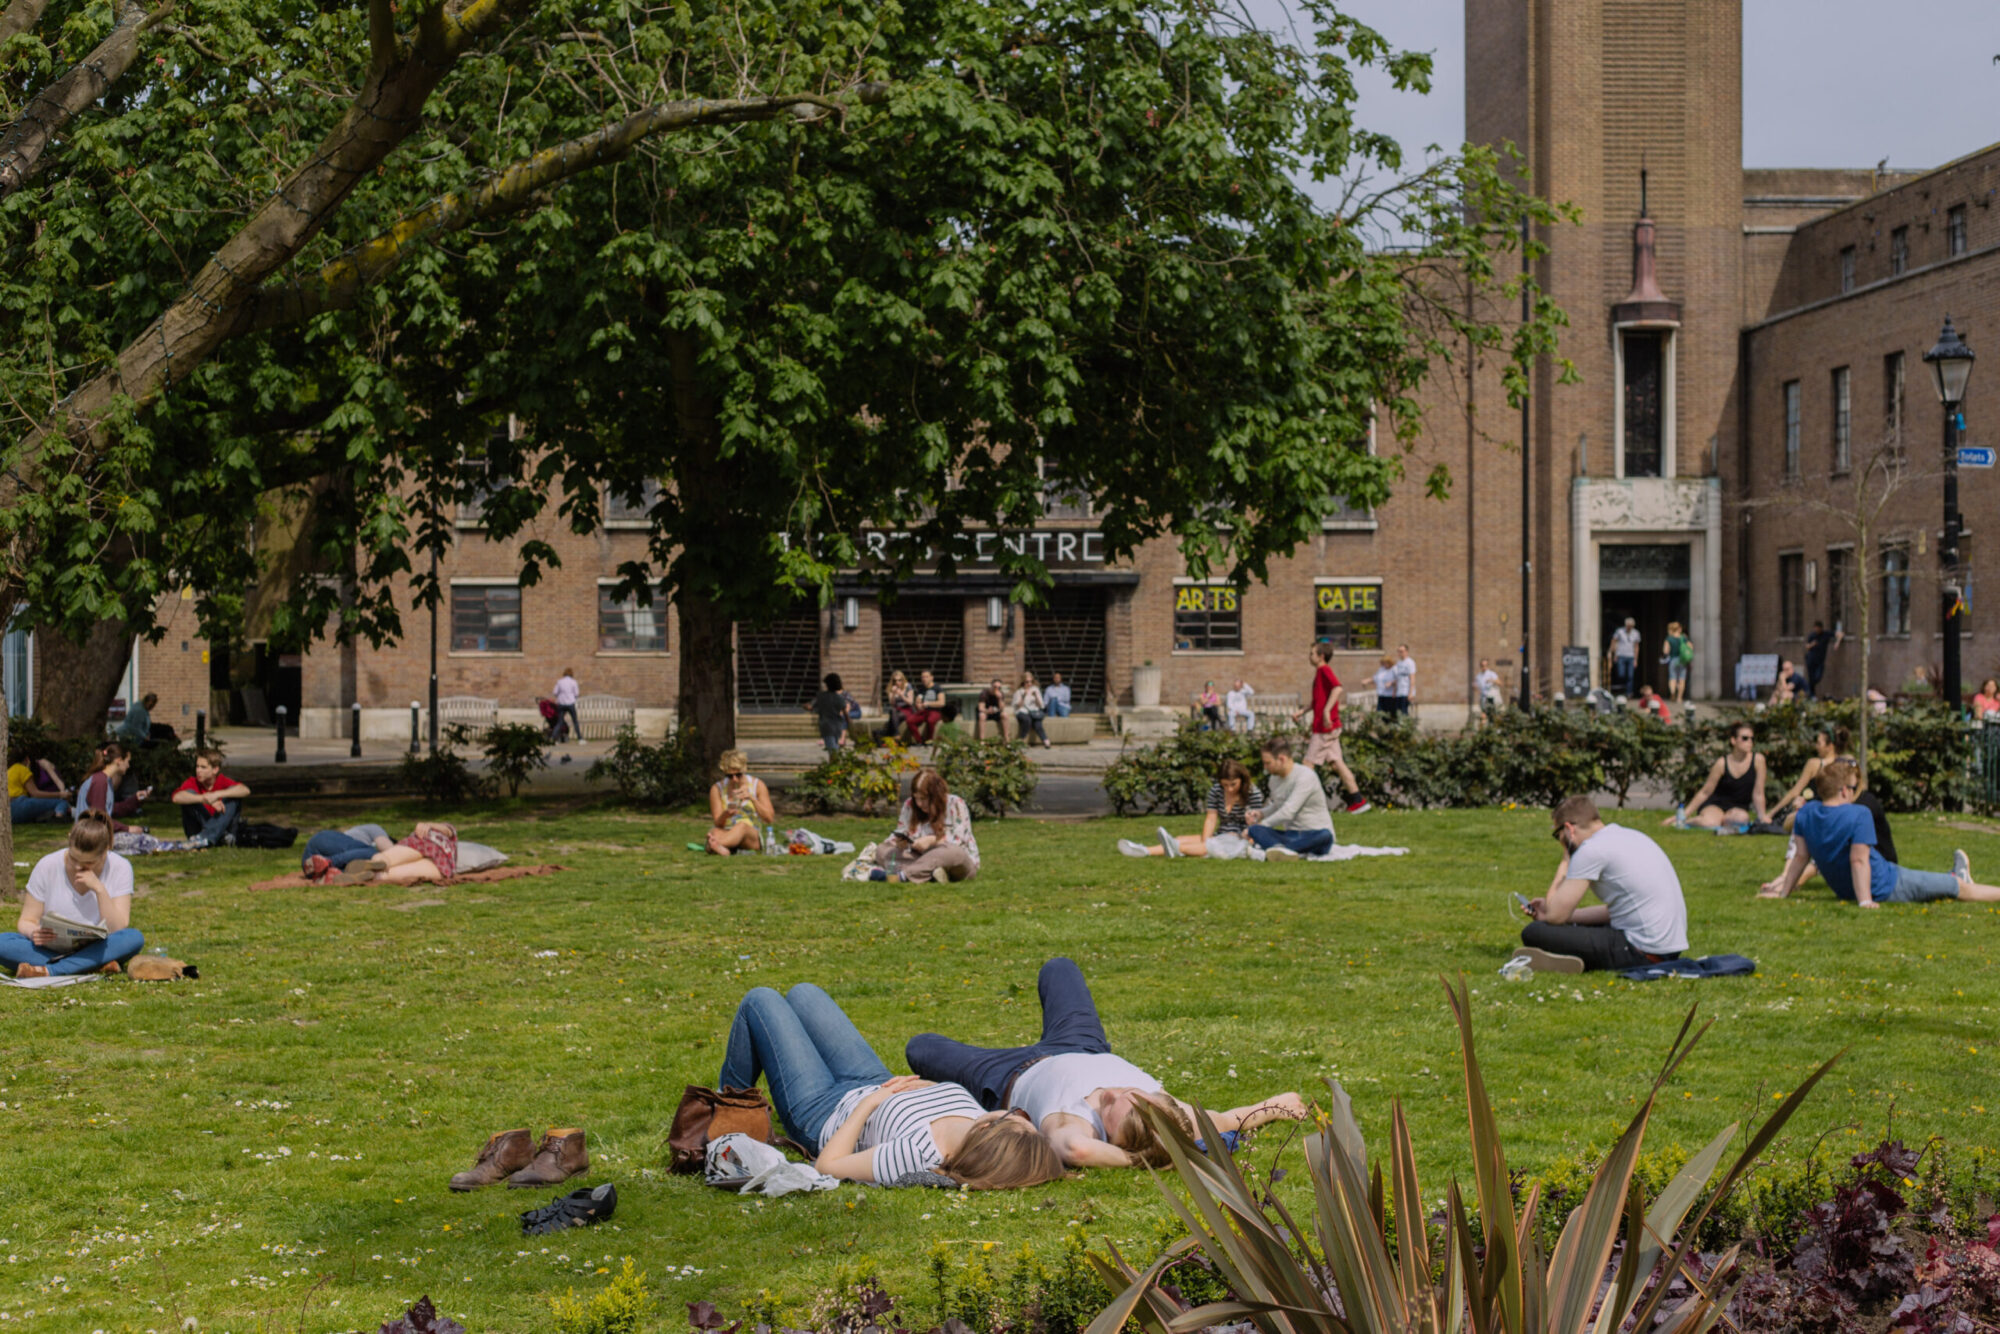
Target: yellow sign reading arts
column 1196, row 598
column 1350, row 597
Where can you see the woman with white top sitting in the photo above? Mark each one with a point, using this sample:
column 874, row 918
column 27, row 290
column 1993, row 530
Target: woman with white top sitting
column 837, row 1099
column 85, row 882
column 1029, row 708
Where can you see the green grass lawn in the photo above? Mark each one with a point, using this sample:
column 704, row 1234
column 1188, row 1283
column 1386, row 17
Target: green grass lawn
column 267, row 1148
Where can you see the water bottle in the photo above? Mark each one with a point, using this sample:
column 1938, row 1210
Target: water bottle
column 1517, row 969
column 772, row 847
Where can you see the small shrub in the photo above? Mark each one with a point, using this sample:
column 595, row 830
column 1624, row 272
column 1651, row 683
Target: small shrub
column 621, row 1308
column 992, row 776
column 443, row 778
column 1172, row 777
column 669, row 774
column 514, row 753
column 860, row 780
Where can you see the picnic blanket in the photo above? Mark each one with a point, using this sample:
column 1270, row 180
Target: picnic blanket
column 1711, row 965
column 1232, row 847
column 298, row 880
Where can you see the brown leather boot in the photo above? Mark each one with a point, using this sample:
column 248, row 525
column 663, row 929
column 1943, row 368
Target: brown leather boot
column 560, row 1157
column 506, row 1152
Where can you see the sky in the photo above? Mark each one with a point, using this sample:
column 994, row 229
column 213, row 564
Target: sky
column 1924, row 68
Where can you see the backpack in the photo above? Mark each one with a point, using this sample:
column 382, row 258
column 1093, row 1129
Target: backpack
column 1684, row 650
column 265, row 836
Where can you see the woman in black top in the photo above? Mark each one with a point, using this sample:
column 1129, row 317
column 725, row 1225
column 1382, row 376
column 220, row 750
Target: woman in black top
column 1734, row 792
column 829, row 707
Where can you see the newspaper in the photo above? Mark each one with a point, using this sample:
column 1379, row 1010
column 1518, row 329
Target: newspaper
column 71, row 935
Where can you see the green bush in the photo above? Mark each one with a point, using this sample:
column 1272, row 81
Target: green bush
column 161, row 768
column 669, row 774
column 1173, row 777
column 858, row 780
column 620, row 1309
column 443, row 778
column 514, row 753
column 992, row 776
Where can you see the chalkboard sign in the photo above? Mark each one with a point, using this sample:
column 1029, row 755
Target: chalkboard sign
column 1576, row 671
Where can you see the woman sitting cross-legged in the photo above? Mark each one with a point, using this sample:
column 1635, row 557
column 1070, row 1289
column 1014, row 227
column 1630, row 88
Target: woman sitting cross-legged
column 85, row 882
column 739, row 806
column 837, row 1099
column 1231, row 798
column 933, row 838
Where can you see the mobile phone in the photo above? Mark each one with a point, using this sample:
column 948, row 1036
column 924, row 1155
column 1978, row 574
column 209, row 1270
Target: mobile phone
column 1520, row 905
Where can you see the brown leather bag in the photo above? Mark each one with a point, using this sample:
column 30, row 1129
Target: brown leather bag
column 706, row 1114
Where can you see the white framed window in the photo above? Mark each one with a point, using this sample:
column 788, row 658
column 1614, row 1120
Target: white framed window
column 1847, row 269
column 622, row 513
column 1892, row 399
column 1895, row 590
column 1954, row 231
column 479, row 478
column 1060, row 500
column 1899, row 251
column 625, row 625
column 485, row 616
column 1340, row 516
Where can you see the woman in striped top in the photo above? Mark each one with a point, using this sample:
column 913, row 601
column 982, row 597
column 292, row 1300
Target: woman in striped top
column 1231, row 798
column 837, row 1098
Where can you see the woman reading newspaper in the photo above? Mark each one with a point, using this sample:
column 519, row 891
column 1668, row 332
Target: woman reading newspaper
column 77, row 914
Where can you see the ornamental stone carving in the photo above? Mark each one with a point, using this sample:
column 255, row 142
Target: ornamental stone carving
column 1647, row 504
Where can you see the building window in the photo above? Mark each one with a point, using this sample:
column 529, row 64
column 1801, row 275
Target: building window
column 619, row 510
column 1060, row 500
column 1791, row 430
column 480, row 477
column 1348, row 615
column 1645, row 405
column 1839, row 580
column 624, row 626
column 1339, row 513
column 1954, row 230
column 1892, row 399
column 1791, row 594
column 1899, row 251
column 485, row 618
column 1843, row 400
column 1847, row 269
column 1895, row 590
column 1208, row 618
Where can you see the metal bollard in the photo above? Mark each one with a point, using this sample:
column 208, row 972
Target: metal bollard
column 280, row 757
column 354, row 746
column 201, row 729
column 416, row 733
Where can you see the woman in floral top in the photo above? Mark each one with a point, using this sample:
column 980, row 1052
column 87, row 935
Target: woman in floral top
column 934, row 834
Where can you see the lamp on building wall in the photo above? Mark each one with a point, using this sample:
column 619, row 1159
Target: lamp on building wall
column 850, row 614
column 996, row 612
column 1951, row 367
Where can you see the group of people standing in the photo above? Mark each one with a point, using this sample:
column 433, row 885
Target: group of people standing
column 1621, row 660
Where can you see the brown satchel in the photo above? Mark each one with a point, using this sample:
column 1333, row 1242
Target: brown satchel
column 707, row 1114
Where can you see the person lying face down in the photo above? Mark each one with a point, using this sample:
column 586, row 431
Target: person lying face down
column 1087, row 1100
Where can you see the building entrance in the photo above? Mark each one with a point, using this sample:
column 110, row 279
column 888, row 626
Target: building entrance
column 924, row 633
column 1067, row 635
column 777, row 665
column 1649, row 584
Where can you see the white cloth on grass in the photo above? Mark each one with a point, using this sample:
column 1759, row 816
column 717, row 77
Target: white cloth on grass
column 756, row 1168
column 54, row 980
column 1347, row 852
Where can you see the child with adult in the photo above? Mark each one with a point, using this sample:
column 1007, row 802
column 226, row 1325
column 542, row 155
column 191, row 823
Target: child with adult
column 1226, row 815
column 1838, row 837
column 211, row 802
column 837, row 1099
column 739, row 806
column 1295, row 821
column 84, row 882
column 1071, row 1085
column 1640, row 916
column 933, row 836
column 1323, row 731
column 1028, row 710
column 1734, row 792
column 1385, row 685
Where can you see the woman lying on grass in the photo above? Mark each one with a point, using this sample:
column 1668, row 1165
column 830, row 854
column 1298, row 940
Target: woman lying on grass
column 837, row 1098
column 428, row 855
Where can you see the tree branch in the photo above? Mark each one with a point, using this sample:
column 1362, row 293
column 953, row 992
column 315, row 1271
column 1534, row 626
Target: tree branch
column 381, row 34
column 46, row 114
column 341, row 281
column 20, row 16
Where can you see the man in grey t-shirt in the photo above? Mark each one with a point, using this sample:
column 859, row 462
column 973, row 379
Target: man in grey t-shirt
column 1641, row 917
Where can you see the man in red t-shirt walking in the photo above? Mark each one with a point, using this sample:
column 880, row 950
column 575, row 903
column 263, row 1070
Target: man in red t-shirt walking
column 1323, row 746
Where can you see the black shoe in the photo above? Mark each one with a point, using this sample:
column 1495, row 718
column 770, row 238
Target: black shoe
column 579, row 1208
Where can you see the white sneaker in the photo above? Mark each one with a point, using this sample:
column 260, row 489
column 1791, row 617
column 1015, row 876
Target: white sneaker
column 1280, row 853
column 1168, row 843
column 1130, row 849
column 1961, row 865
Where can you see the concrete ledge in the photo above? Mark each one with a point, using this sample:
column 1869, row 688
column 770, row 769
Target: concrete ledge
column 1074, row 730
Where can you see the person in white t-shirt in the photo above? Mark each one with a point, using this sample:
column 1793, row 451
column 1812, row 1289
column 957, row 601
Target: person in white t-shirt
column 1241, row 719
column 85, row 882
column 1406, row 680
column 1085, row 1099
column 1624, row 658
column 1641, row 917
column 1487, row 684
column 564, row 725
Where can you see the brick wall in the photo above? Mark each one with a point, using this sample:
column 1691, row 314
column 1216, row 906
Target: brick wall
column 176, row 668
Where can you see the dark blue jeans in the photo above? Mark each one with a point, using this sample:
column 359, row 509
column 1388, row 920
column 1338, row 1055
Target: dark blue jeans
column 1305, row 842
column 1623, row 671
column 1069, row 1024
column 17, row 949
column 197, row 819
column 809, row 1052
column 32, row 810
column 337, row 848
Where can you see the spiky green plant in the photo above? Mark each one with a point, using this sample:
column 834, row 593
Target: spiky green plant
column 1487, row 1276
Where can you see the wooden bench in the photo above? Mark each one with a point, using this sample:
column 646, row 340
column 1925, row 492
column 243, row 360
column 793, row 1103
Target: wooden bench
column 1272, row 708
column 598, row 717
column 469, row 711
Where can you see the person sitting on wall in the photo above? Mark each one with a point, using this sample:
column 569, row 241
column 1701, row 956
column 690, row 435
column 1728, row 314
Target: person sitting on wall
column 211, row 802
column 992, row 709
column 1057, row 696
column 1242, row 717
column 898, row 702
column 1651, row 704
column 84, row 882
column 1296, row 822
column 1838, row 837
column 1641, row 917
column 928, row 709
column 35, row 791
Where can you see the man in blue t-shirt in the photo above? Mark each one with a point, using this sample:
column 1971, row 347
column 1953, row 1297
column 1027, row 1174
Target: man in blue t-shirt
column 1838, row 837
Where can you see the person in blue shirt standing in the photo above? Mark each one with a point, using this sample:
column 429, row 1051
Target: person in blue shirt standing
column 1838, row 837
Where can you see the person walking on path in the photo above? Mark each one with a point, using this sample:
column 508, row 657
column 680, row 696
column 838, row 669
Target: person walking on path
column 829, row 708
column 1624, row 658
column 1641, row 917
column 1385, row 686
column 1296, row 822
column 1406, row 681
column 565, row 696
column 1323, row 740
column 85, row 882
column 1678, row 656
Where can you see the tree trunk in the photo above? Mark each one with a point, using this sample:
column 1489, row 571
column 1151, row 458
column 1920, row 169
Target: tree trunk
column 706, row 699
column 89, row 673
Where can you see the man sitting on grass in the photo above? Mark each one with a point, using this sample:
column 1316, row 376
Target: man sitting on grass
column 1296, row 823
column 211, row 802
column 1641, row 918
column 1838, row 836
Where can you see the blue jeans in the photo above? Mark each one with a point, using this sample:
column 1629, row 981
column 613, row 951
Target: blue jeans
column 564, row 726
column 1069, row 1024
column 1622, row 672
column 34, row 810
column 809, row 1052
column 336, row 847
column 1058, row 708
column 1921, row 886
column 17, row 949
column 196, row 820
column 1305, row 842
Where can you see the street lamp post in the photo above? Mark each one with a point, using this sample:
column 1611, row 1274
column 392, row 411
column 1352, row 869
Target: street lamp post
column 1951, row 366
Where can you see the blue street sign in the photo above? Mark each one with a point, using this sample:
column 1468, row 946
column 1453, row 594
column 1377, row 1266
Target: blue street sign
column 1975, row 456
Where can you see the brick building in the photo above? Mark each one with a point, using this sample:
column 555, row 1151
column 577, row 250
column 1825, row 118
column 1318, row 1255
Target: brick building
column 1734, row 331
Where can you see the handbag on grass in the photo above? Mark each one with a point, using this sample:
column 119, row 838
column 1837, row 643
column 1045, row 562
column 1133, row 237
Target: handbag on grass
column 706, row 1114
